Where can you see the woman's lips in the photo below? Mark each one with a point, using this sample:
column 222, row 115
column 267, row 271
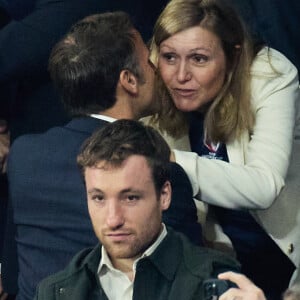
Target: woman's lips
column 186, row 93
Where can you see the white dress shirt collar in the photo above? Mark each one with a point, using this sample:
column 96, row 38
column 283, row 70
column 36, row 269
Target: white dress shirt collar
column 103, row 117
column 115, row 283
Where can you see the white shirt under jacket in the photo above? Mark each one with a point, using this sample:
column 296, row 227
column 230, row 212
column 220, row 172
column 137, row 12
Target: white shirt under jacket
column 256, row 177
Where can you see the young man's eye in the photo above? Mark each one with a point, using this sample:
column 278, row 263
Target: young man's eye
column 133, row 198
column 97, row 198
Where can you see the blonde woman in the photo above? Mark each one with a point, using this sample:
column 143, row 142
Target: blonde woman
column 239, row 101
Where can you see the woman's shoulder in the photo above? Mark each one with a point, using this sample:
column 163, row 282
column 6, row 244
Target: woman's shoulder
column 271, row 62
column 271, row 71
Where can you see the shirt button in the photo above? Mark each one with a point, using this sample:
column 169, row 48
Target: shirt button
column 290, row 248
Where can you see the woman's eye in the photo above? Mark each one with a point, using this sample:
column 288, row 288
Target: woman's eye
column 199, row 58
column 169, row 57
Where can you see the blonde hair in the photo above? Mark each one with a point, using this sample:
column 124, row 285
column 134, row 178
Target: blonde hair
column 292, row 293
column 230, row 113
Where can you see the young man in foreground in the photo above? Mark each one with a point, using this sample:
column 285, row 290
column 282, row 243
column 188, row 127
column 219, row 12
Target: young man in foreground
column 126, row 172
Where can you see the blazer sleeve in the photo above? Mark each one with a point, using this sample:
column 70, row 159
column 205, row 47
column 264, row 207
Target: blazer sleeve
column 255, row 179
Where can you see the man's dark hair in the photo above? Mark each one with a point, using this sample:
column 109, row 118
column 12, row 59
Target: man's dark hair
column 117, row 141
column 85, row 65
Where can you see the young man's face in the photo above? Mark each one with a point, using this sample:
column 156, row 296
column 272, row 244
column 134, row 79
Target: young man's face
column 124, row 207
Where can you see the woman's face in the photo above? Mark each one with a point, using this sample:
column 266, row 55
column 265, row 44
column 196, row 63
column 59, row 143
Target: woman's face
column 192, row 64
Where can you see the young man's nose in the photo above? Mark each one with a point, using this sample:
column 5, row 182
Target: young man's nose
column 115, row 216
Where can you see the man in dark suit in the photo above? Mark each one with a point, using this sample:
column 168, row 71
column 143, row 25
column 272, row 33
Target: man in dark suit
column 102, row 71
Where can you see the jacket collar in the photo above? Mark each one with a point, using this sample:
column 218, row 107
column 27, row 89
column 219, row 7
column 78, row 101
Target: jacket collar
column 85, row 124
column 92, row 260
column 196, row 259
column 166, row 261
column 162, row 258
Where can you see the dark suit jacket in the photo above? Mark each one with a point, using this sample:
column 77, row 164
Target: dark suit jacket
column 174, row 271
column 49, row 208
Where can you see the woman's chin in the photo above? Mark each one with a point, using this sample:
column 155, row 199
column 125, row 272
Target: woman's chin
column 186, row 107
column 190, row 105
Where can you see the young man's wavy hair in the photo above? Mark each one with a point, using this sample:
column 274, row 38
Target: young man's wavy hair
column 119, row 140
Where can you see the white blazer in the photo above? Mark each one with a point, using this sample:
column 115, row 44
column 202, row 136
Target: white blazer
column 262, row 175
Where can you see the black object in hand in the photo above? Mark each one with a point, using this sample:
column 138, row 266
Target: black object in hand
column 213, row 288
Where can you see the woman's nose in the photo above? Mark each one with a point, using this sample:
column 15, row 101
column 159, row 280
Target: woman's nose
column 183, row 72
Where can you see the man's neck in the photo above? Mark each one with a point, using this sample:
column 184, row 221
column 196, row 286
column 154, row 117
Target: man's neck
column 121, row 110
column 117, row 114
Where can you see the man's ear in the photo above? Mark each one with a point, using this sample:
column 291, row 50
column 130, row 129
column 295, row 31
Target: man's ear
column 129, row 82
column 165, row 195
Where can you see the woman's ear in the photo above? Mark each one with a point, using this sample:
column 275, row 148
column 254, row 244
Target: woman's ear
column 129, row 82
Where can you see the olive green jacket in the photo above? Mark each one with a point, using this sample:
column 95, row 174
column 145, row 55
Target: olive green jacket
column 175, row 270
